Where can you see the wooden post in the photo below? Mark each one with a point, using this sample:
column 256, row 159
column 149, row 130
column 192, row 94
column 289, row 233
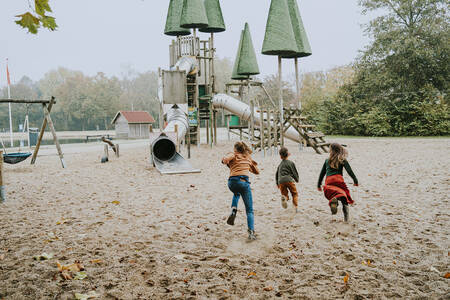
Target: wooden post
column 117, row 150
column 2, row 184
column 280, row 87
column 269, row 132
column 105, row 156
column 215, row 126
column 41, row 134
column 189, row 142
column 227, row 120
column 262, row 132
column 55, row 138
column 277, row 130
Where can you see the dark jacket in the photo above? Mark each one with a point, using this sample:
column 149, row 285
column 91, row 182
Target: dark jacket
column 286, row 172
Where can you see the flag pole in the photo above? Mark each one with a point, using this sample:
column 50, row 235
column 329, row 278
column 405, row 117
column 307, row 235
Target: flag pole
column 9, row 106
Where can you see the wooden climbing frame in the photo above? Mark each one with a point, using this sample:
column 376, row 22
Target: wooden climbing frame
column 314, row 139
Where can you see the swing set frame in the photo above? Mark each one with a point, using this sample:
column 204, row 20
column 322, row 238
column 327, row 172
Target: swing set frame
column 47, row 107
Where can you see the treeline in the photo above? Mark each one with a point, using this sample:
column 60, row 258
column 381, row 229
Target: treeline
column 83, row 102
column 89, row 102
column 399, row 86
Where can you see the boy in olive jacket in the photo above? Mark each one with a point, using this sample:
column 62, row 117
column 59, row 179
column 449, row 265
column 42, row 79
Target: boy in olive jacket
column 285, row 179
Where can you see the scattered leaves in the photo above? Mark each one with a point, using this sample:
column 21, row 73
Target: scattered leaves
column 62, row 221
column 346, row 277
column 96, row 261
column 75, row 267
column 91, row 294
column 80, row 275
column 43, row 256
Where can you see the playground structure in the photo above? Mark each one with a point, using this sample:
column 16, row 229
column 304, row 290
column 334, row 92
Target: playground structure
column 114, row 147
column 187, row 91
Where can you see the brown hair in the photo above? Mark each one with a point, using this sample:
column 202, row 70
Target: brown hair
column 338, row 155
column 284, row 152
column 243, row 148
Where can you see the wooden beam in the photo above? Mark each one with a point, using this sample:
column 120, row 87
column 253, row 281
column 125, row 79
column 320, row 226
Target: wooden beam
column 26, row 101
column 41, row 133
column 55, row 138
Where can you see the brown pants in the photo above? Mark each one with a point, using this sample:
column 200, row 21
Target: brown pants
column 289, row 186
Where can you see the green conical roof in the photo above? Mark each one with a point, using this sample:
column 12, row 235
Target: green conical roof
column 215, row 18
column 234, row 74
column 279, row 38
column 299, row 30
column 193, row 14
column 247, row 64
column 173, row 19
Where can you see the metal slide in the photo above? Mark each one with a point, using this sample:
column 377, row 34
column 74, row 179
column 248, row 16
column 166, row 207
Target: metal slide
column 242, row 110
column 163, row 149
column 176, row 165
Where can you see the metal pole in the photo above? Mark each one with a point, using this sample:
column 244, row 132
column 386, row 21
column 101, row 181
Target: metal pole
column 281, row 100
column 2, row 186
column 297, row 84
column 10, row 118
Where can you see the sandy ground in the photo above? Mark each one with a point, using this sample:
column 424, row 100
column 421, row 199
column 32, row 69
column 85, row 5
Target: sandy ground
column 140, row 235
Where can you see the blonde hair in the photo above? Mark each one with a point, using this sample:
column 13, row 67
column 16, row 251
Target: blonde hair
column 338, row 155
column 242, row 148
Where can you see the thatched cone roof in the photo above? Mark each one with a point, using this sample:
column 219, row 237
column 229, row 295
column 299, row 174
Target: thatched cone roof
column 279, row 38
column 234, row 74
column 173, row 19
column 247, row 64
column 215, row 17
column 193, row 14
column 304, row 48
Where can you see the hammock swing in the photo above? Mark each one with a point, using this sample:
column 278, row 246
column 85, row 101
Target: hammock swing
column 17, row 157
column 14, row 158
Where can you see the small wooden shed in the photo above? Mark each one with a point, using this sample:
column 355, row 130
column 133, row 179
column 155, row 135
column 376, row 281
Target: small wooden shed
column 132, row 124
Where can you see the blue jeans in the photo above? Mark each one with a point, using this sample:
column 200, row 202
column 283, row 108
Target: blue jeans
column 240, row 186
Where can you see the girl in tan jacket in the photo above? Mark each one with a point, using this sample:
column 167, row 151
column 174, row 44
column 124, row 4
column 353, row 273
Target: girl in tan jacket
column 241, row 164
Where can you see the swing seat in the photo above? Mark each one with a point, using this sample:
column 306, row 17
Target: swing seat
column 14, row 158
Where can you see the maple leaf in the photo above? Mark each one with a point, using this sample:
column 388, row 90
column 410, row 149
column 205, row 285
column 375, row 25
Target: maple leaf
column 41, row 7
column 49, row 22
column 27, row 20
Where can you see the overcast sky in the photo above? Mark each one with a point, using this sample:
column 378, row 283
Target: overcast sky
column 112, row 35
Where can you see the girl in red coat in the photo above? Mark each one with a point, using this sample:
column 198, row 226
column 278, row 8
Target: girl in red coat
column 335, row 189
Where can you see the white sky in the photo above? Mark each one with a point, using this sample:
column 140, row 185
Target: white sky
column 110, row 35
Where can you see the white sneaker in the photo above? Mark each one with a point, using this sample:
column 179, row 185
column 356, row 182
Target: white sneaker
column 284, row 201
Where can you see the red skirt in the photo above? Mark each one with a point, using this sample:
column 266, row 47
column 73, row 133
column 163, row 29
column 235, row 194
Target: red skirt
column 335, row 187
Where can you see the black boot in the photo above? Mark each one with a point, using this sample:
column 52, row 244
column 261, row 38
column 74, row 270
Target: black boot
column 251, row 235
column 345, row 210
column 232, row 216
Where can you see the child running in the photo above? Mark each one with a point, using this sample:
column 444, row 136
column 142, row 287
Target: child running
column 241, row 164
column 286, row 177
column 335, row 188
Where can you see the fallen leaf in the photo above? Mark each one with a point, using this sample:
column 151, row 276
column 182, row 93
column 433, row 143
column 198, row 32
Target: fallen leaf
column 43, row 256
column 346, row 277
column 66, row 275
column 2, row 257
column 75, row 267
column 96, row 261
column 62, row 221
column 80, row 275
column 251, row 274
column 434, row 269
column 115, row 202
column 91, row 294
column 268, row 288
column 447, row 275
column 394, row 262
